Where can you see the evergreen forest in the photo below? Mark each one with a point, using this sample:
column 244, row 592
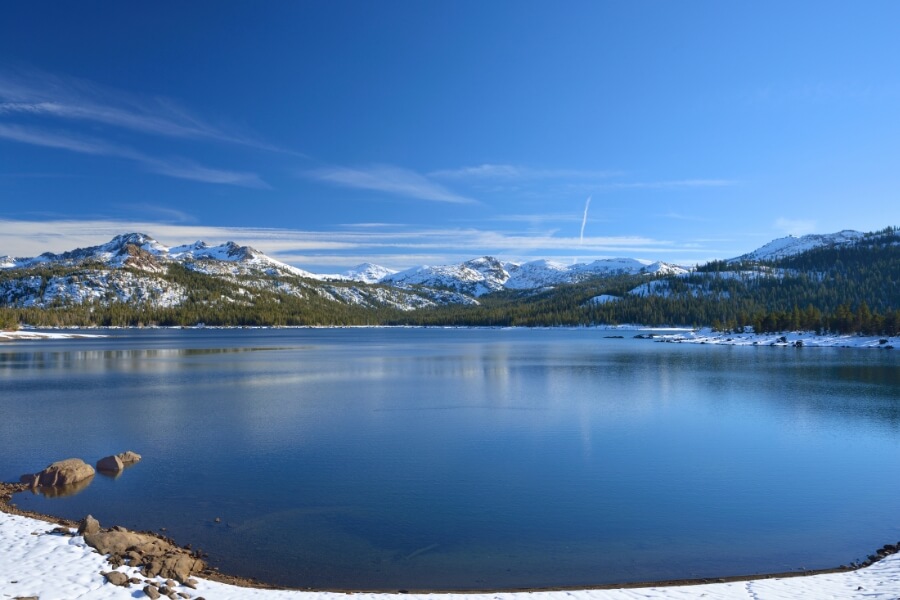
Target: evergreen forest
column 841, row 289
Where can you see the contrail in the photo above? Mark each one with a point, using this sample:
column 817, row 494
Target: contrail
column 584, row 220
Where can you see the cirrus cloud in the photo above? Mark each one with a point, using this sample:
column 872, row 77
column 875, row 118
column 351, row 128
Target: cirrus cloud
column 388, row 179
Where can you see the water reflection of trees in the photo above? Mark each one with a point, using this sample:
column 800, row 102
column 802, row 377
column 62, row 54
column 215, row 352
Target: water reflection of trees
column 64, row 360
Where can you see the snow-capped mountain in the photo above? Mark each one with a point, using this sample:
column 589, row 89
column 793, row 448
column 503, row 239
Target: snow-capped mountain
column 720, row 283
column 140, row 251
column 487, row 274
column 132, row 268
column 791, row 246
column 475, row 277
column 135, row 268
column 544, row 273
column 367, row 273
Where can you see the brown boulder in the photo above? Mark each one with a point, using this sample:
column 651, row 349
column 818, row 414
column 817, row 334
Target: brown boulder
column 120, row 542
column 158, row 557
column 151, row 592
column 88, row 525
column 110, row 464
column 128, row 457
column 64, row 472
column 117, row 578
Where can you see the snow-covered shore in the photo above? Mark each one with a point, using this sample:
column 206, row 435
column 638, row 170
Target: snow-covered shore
column 34, row 562
column 30, row 334
column 793, row 338
column 660, row 334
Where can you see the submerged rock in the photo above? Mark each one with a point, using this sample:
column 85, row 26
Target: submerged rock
column 110, row 464
column 128, row 457
column 118, row 462
column 60, row 473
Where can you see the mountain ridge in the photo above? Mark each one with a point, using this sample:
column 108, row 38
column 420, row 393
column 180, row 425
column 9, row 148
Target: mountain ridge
column 128, row 249
column 234, row 284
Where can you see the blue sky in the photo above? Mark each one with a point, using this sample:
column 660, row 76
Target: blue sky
column 331, row 133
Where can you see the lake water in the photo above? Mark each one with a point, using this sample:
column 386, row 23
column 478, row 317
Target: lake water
column 467, row 458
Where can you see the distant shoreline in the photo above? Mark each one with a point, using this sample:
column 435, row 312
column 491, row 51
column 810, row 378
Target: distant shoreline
column 794, row 339
column 680, row 335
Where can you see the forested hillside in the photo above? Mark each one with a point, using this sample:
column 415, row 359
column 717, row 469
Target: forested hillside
column 846, row 287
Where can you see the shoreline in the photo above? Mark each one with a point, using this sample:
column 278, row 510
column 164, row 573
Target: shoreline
column 667, row 334
column 795, row 339
column 886, row 554
column 666, row 588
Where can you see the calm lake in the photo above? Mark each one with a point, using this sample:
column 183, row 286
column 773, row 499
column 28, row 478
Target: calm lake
column 389, row 459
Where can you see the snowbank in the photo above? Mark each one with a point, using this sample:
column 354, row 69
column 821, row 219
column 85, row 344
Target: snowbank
column 794, row 338
column 26, row 334
column 36, row 562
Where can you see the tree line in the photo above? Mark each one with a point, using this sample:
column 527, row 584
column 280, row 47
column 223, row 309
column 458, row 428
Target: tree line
column 841, row 289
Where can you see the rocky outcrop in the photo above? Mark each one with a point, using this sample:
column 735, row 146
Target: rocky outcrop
column 61, row 473
column 88, row 525
column 153, row 555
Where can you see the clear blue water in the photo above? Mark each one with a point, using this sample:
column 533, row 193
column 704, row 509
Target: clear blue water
column 467, row 459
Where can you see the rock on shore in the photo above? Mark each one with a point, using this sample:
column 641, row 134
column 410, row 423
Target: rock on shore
column 153, row 555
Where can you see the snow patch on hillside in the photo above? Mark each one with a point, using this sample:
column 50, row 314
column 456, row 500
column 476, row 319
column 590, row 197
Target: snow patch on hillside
column 791, row 246
column 90, row 286
column 603, row 299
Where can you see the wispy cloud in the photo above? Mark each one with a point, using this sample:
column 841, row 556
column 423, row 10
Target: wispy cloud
column 507, row 172
column 169, row 215
column 188, row 169
column 388, row 179
column 37, row 137
column 571, row 180
column 171, row 167
column 34, row 97
column 39, row 94
column 681, row 217
column 539, row 218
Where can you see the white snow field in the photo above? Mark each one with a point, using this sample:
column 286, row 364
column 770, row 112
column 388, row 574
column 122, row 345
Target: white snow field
column 792, row 338
column 37, row 563
column 28, row 334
